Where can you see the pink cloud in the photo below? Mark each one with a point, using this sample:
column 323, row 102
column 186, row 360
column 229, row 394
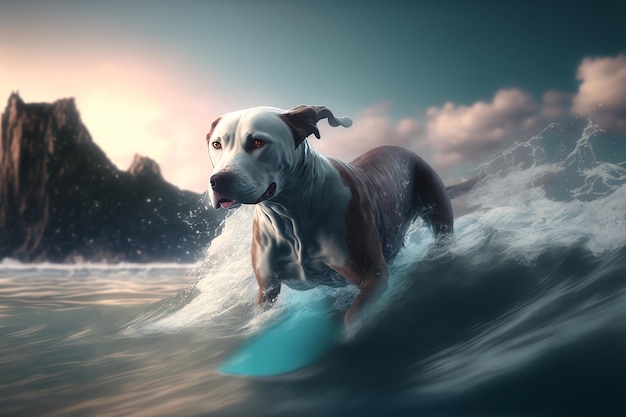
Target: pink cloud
column 602, row 92
column 372, row 127
column 460, row 133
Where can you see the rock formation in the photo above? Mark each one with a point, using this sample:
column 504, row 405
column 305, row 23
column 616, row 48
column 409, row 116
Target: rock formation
column 62, row 200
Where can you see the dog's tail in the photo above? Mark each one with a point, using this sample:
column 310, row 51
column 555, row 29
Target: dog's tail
column 458, row 190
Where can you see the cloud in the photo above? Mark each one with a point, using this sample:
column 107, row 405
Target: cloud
column 460, row 133
column 555, row 105
column 130, row 104
column 446, row 136
column 372, row 127
column 465, row 133
column 602, row 92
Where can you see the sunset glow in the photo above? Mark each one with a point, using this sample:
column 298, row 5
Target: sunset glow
column 154, row 85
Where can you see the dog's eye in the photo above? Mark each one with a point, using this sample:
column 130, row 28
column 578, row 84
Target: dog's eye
column 216, row 145
column 257, row 143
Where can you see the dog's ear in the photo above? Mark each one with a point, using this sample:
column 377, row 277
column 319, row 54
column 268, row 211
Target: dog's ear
column 302, row 121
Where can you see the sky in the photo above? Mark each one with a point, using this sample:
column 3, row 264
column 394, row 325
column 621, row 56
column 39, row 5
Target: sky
column 452, row 80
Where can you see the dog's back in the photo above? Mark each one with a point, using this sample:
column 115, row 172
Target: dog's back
column 400, row 186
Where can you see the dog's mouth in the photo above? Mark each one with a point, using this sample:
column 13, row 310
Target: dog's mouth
column 269, row 193
column 227, row 203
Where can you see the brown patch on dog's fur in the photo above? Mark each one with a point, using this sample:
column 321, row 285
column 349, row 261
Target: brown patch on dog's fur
column 366, row 267
column 213, row 125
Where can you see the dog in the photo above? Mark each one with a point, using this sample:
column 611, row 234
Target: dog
column 314, row 214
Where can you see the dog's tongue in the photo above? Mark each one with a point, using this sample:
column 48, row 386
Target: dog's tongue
column 227, row 203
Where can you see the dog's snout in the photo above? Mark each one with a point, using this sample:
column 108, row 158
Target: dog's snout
column 221, row 180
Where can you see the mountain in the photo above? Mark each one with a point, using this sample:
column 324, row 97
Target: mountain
column 63, row 200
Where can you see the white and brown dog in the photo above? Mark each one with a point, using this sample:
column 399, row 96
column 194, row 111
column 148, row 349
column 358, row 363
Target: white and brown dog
column 315, row 214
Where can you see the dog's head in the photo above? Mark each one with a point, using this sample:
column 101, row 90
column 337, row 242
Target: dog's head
column 253, row 151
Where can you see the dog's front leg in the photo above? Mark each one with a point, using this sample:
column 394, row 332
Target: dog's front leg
column 268, row 291
column 269, row 287
column 269, row 283
column 372, row 282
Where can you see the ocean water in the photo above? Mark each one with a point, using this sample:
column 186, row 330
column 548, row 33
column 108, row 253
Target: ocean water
column 523, row 313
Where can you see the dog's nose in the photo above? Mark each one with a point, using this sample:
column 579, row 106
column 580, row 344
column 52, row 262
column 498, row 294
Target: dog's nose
column 221, row 180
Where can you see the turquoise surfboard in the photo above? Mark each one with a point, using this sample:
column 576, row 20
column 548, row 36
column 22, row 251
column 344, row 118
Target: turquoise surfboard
column 299, row 338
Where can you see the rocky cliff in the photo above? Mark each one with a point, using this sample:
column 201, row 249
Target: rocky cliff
column 62, row 200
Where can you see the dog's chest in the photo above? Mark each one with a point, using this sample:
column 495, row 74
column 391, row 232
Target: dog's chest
column 303, row 233
column 309, row 241
column 300, row 250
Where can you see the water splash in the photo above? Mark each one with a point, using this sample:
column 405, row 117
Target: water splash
column 224, row 291
column 532, row 203
column 536, row 195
